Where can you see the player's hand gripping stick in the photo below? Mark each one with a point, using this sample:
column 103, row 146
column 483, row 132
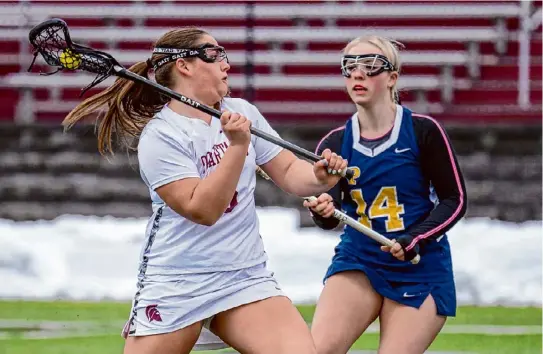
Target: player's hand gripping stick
column 341, row 216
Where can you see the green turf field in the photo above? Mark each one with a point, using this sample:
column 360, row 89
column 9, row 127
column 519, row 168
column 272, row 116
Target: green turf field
column 89, row 328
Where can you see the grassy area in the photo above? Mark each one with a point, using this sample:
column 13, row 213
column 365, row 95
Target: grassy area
column 471, row 343
column 65, row 311
column 111, row 315
column 509, row 316
column 113, row 344
column 107, row 311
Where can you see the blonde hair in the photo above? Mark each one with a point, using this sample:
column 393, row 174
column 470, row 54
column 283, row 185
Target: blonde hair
column 391, row 50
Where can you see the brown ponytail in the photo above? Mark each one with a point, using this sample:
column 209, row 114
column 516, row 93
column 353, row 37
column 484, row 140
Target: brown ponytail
column 129, row 105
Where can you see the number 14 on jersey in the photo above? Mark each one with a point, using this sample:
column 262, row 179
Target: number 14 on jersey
column 385, row 205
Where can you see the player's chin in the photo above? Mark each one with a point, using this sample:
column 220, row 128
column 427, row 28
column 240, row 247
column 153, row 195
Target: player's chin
column 223, row 90
column 361, row 101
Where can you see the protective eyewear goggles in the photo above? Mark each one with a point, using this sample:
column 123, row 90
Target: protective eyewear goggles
column 370, row 64
column 208, row 52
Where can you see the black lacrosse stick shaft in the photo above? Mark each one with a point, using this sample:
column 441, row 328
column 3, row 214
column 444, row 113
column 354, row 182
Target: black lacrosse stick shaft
column 52, row 40
column 216, row 113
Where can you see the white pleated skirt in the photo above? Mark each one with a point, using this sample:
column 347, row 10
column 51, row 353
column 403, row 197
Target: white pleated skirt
column 164, row 304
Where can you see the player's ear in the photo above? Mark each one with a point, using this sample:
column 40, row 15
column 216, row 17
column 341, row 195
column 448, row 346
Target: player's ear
column 182, row 67
column 392, row 79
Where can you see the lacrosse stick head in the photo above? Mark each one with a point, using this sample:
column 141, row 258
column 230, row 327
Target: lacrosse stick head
column 52, row 40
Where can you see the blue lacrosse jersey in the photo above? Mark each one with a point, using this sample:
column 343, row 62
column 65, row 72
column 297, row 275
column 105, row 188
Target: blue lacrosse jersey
column 390, row 194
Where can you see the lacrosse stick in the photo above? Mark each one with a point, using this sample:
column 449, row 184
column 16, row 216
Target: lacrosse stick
column 52, row 40
column 341, row 216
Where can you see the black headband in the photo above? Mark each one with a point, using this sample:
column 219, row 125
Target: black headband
column 180, row 53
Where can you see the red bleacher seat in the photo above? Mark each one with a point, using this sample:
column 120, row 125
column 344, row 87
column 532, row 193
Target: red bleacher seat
column 459, row 61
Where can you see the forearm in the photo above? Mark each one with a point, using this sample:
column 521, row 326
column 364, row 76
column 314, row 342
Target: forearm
column 300, row 180
column 440, row 167
column 214, row 193
column 440, row 220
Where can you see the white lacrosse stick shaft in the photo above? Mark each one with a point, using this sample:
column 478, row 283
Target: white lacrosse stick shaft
column 341, row 216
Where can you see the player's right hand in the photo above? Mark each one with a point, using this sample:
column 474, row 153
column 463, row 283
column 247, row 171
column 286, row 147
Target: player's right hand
column 324, row 205
column 236, row 128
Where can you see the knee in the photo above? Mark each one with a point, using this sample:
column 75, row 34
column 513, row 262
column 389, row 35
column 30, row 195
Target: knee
column 330, row 341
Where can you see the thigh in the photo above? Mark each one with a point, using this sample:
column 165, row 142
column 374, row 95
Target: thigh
column 272, row 325
column 406, row 329
column 178, row 342
column 347, row 306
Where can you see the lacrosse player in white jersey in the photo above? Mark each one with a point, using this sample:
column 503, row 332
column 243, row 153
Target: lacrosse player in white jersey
column 203, row 263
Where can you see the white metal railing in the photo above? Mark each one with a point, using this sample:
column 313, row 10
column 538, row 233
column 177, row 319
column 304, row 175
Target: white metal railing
column 528, row 23
column 524, row 55
column 358, row 10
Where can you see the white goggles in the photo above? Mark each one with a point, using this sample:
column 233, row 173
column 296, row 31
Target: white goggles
column 370, row 64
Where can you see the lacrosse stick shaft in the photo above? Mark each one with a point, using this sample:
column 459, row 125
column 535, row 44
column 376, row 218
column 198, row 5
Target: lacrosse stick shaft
column 122, row 72
column 51, row 38
column 341, row 216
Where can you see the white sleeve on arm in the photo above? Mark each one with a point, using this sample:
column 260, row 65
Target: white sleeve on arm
column 265, row 150
column 163, row 159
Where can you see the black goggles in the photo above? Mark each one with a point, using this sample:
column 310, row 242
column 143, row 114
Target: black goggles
column 208, row 52
column 370, row 64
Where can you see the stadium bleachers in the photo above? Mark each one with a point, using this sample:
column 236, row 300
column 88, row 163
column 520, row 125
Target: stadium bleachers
column 460, row 62
column 46, row 173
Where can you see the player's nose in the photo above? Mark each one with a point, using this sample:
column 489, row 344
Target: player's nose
column 358, row 74
column 225, row 66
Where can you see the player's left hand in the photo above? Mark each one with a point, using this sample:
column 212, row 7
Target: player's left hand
column 398, row 249
column 323, row 205
column 328, row 170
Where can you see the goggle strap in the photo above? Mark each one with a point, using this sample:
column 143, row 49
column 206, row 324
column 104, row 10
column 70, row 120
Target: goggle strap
column 176, row 53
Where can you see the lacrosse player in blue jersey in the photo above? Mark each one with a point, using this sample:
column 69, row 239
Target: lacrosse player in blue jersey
column 407, row 186
column 203, row 263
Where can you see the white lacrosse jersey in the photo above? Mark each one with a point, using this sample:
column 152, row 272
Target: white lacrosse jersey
column 173, row 147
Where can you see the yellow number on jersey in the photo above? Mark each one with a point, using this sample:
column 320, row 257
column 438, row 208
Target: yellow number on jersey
column 356, row 174
column 361, row 205
column 385, row 204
